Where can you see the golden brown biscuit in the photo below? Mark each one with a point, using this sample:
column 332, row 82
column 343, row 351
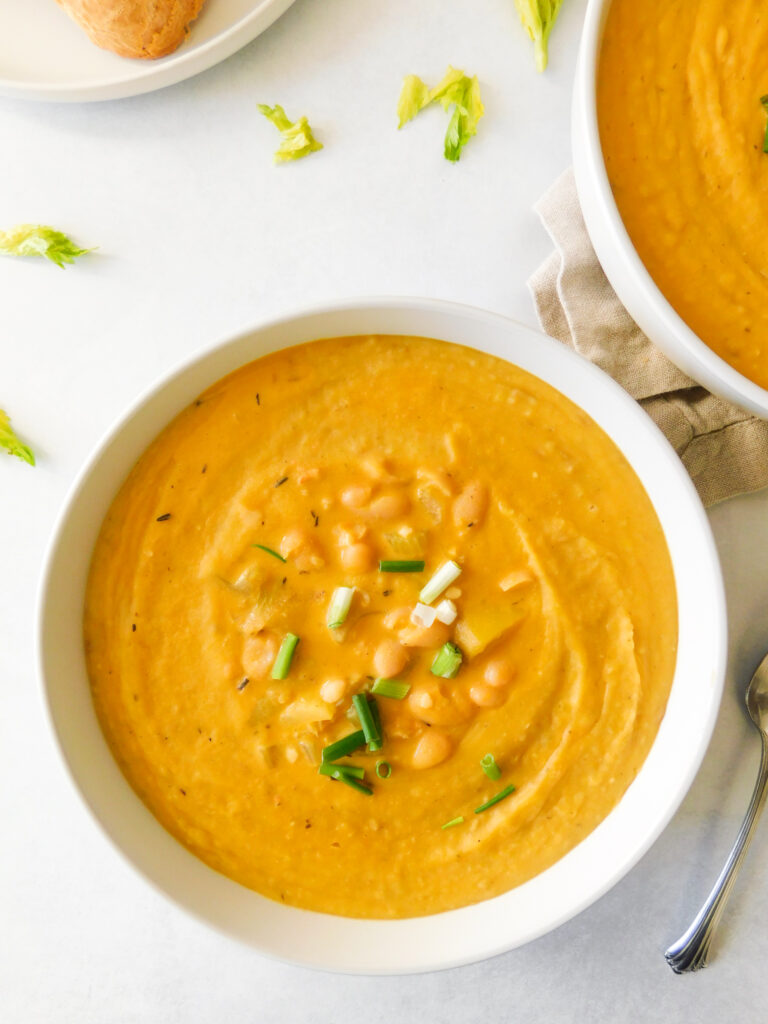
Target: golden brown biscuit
column 135, row 28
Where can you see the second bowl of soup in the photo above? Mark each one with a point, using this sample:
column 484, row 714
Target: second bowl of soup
column 669, row 151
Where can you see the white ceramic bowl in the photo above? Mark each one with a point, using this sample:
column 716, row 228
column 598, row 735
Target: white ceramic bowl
column 621, row 263
column 459, row 936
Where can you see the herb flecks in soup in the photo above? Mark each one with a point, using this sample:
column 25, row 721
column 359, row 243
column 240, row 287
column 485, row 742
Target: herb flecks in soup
column 682, row 130
column 405, row 639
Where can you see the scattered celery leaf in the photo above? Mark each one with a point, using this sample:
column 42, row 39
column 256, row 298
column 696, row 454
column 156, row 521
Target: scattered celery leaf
column 298, row 140
column 40, row 240
column 10, row 441
column 450, row 89
column 538, row 17
column 456, row 90
column 414, row 96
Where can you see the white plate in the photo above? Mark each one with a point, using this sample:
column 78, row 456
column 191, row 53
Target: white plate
column 44, row 55
column 458, row 936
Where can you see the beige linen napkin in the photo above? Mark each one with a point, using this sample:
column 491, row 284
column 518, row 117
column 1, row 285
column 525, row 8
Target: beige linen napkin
column 724, row 449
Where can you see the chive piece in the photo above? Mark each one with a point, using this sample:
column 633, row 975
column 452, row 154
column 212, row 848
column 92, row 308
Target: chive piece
column 453, row 821
column 489, row 766
column 342, row 773
column 764, row 101
column 383, row 769
column 343, row 747
column 338, row 609
column 282, row 665
column 356, row 784
column 443, row 578
column 495, row 799
column 337, row 770
column 447, row 662
column 367, row 712
column 377, row 744
column 390, row 688
column 401, row 565
column 269, row 551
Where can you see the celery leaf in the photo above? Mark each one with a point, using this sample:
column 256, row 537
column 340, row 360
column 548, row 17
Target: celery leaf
column 40, row 240
column 11, row 443
column 457, row 91
column 298, row 140
column 538, row 17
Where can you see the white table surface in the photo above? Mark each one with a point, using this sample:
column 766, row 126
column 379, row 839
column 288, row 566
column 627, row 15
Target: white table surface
column 200, row 235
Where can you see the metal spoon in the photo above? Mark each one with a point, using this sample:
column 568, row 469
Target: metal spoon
column 690, row 951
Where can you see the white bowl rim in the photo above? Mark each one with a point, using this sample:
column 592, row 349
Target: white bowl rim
column 139, row 78
column 645, row 301
column 415, row 956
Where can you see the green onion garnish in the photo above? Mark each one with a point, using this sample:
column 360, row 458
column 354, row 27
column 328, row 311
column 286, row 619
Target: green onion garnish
column 443, row 578
column 339, row 607
column 495, row 799
column 447, row 662
column 453, row 821
column 282, row 665
column 367, row 712
column 764, row 101
column 336, row 770
column 390, row 688
column 376, row 721
column 402, row 565
column 263, row 547
column 343, row 747
column 343, row 773
column 489, row 766
column 383, row 769
column 355, row 784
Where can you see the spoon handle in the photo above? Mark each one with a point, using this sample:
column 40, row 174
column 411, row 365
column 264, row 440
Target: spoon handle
column 690, row 951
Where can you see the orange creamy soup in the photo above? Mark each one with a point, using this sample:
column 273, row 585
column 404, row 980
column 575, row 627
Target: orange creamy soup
column 454, row 544
column 682, row 130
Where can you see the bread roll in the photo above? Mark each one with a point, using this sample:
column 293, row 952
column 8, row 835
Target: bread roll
column 135, row 28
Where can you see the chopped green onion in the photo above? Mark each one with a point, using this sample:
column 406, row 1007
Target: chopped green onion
column 377, row 722
column 453, row 821
column 339, row 607
column 489, row 766
column 343, row 773
column 495, row 799
column 447, row 662
column 423, row 615
column 443, row 578
column 390, row 688
column 337, row 770
column 355, row 784
column 368, row 713
column 269, row 551
column 343, row 747
column 383, row 769
column 764, row 101
column 401, row 565
column 282, row 665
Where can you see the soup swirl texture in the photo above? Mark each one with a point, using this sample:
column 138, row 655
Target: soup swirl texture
column 308, row 471
column 682, row 129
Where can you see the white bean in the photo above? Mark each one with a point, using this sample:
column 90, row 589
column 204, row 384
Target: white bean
column 390, row 659
column 432, row 748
